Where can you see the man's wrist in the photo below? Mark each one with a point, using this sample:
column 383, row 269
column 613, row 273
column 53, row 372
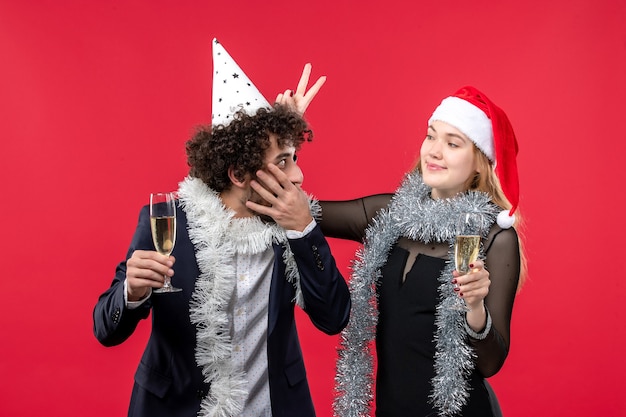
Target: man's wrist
column 129, row 300
column 295, row 234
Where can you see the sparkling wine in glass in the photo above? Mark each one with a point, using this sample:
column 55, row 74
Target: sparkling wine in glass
column 466, row 246
column 163, row 226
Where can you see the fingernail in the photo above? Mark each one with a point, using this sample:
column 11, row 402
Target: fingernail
column 457, row 289
column 471, row 265
column 461, row 294
column 454, row 281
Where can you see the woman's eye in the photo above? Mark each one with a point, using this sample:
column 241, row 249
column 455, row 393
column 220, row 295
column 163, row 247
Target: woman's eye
column 429, row 137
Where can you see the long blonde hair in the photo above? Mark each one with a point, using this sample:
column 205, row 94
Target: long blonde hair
column 485, row 180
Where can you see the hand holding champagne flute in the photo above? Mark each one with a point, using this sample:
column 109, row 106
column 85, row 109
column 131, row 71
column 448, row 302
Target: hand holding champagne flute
column 163, row 226
column 467, row 246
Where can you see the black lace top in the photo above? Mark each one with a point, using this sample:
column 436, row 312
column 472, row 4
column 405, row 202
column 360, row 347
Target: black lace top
column 407, row 299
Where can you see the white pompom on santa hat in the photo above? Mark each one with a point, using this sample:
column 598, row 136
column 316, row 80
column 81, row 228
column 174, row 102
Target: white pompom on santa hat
column 489, row 128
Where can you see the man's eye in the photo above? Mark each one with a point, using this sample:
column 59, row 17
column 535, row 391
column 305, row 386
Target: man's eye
column 282, row 163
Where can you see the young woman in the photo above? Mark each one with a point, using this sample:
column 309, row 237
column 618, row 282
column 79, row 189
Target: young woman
column 433, row 359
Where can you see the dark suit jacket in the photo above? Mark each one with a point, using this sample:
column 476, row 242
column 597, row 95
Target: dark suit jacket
column 168, row 381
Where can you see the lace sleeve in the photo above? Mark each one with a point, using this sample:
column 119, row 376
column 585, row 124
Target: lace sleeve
column 348, row 219
column 503, row 263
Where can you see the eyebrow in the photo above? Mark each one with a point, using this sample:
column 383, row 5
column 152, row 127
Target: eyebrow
column 454, row 135
column 282, row 155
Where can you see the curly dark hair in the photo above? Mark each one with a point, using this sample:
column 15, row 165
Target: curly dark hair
column 242, row 144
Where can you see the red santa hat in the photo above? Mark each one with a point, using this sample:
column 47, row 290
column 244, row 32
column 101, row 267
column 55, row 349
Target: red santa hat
column 489, row 128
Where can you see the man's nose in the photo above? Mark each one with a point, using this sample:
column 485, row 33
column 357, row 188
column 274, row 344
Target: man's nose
column 296, row 176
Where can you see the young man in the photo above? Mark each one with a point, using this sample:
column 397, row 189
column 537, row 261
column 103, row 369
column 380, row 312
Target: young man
column 226, row 345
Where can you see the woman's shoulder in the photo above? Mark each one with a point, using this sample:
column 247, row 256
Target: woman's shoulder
column 376, row 202
column 501, row 238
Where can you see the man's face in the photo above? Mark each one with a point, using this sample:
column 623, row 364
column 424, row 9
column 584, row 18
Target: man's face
column 284, row 158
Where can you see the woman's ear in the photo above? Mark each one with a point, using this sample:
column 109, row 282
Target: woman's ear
column 238, row 182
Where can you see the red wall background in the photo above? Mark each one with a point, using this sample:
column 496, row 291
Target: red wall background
column 96, row 98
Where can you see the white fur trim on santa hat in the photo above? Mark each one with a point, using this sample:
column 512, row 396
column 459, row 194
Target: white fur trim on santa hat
column 470, row 120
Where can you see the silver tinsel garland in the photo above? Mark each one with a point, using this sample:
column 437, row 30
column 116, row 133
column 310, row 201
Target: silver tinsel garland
column 413, row 214
column 217, row 236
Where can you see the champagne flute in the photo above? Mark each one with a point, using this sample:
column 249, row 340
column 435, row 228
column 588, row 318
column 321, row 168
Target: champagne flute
column 466, row 247
column 163, row 226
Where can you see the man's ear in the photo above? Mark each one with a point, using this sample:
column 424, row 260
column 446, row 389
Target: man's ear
column 238, row 182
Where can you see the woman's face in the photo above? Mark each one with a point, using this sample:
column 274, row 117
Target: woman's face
column 447, row 160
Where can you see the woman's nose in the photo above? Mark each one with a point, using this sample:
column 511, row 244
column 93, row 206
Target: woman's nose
column 435, row 149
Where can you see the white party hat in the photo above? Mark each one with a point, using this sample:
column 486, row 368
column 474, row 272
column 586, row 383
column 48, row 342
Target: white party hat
column 232, row 89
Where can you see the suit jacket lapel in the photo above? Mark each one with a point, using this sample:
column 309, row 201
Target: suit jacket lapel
column 276, row 289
